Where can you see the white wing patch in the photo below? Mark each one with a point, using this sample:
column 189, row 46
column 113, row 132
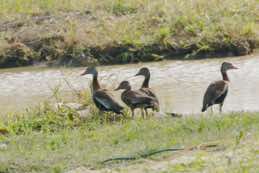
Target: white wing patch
column 104, row 102
column 220, row 93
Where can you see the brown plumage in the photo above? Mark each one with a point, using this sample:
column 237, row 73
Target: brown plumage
column 145, row 86
column 217, row 91
column 102, row 99
column 135, row 99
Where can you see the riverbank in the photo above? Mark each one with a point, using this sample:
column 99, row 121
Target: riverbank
column 79, row 33
column 44, row 139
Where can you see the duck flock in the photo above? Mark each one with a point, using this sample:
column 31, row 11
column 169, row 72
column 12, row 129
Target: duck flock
column 144, row 98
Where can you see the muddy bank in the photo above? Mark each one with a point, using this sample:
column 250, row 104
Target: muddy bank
column 46, row 51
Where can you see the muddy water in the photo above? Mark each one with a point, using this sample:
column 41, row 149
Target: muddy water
column 180, row 85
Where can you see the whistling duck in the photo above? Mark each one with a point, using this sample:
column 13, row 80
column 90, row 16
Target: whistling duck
column 102, row 99
column 145, row 86
column 135, row 99
column 217, row 91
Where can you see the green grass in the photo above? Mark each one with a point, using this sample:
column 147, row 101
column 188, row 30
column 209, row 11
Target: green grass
column 119, row 31
column 48, row 140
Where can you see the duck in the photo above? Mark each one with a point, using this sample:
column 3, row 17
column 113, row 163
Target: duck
column 102, row 99
column 135, row 99
column 144, row 71
column 218, row 90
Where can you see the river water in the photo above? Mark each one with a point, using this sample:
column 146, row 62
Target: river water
column 180, row 85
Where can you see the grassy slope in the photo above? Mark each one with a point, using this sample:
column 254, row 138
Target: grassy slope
column 119, row 31
column 45, row 140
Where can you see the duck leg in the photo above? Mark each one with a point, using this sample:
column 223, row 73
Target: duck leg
column 123, row 115
column 102, row 117
column 142, row 113
column 220, row 107
column 132, row 113
column 211, row 109
column 146, row 112
column 113, row 117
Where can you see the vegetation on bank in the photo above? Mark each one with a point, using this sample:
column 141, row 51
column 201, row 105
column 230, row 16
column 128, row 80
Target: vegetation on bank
column 81, row 32
column 44, row 139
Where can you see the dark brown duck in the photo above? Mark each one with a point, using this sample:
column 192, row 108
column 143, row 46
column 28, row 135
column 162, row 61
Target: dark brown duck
column 145, row 86
column 102, row 99
column 218, row 90
column 135, row 99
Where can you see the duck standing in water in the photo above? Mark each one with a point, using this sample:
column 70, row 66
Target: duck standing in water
column 145, row 87
column 217, row 91
column 102, row 99
column 135, row 99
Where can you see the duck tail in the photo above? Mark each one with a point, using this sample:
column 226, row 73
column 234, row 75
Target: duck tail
column 204, row 108
column 119, row 111
column 155, row 106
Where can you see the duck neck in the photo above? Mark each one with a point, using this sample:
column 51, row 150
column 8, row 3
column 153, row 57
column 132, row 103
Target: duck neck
column 95, row 83
column 126, row 90
column 146, row 81
column 224, row 75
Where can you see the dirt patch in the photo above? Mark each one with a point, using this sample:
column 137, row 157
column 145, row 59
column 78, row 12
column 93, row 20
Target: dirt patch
column 48, row 50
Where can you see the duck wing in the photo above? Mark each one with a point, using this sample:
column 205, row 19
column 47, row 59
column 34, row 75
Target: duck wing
column 214, row 91
column 105, row 100
column 149, row 92
column 138, row 98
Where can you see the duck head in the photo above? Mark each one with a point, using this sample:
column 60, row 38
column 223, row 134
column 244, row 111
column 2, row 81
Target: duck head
column 227, row 66
column 90, row 70
column 124, row 85
column 143, row 72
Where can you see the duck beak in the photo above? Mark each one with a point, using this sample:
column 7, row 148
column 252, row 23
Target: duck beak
column 137, row 74
column 117, row 89
column 84, row 73
column 234, row 67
